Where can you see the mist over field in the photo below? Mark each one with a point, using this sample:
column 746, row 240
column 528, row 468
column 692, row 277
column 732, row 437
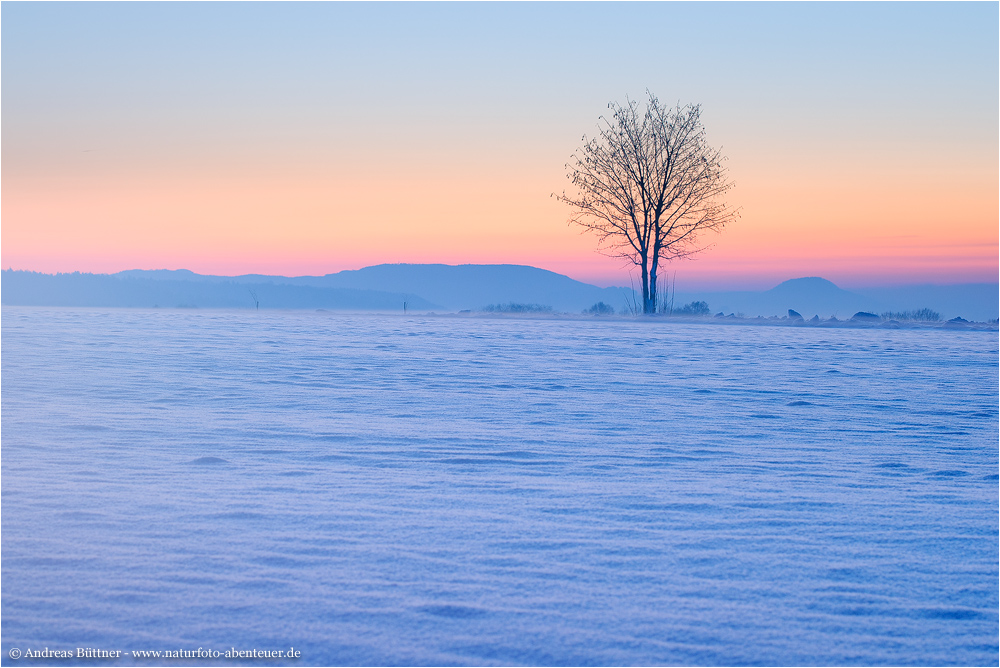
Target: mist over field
column 452, row 288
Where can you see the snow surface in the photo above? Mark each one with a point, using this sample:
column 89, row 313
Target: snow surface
column 377, row 489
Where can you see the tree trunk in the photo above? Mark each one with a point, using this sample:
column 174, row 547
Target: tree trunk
column 645, row 285
column 652, row 282
column 653, row 269
column 651, row 304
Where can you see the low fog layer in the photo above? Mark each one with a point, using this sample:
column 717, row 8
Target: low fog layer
column 445, row 288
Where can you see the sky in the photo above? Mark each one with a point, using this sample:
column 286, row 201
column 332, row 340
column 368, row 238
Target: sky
column 308, row 138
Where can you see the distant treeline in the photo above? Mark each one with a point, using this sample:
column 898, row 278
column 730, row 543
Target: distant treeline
column 517, row 308
column 923, row 315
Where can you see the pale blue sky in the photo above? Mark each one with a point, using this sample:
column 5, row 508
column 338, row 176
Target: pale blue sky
column 549, row 62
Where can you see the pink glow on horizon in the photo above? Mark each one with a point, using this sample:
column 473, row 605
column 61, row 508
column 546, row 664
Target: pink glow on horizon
column 690, row 275
column 909, row 226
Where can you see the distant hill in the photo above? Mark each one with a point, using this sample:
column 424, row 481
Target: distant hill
column 382, row 287
column 133, row 289
column 809, row 296
column 445, row 287
column 817, row 296
column 473, row 286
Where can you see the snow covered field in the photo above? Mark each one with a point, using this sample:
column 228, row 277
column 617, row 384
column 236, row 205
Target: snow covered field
column 376, row 489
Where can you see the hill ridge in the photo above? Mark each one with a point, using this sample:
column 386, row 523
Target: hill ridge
column 447, row 287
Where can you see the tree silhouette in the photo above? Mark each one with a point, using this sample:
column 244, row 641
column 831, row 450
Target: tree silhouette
column 648, row 186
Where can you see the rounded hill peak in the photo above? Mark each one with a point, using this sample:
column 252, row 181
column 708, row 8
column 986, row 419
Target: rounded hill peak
column 811, row 283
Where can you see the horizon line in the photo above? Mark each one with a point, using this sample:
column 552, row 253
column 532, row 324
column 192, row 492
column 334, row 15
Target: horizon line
column 713, row 288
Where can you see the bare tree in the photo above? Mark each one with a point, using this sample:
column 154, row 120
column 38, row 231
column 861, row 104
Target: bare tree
column 648, row 186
